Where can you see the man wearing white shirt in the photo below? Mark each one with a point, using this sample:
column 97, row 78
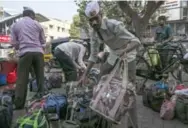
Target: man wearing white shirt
column 70, row 56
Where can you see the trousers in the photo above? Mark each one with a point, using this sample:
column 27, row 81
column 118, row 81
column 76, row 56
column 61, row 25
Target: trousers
column 67, row 65
column 29, row 60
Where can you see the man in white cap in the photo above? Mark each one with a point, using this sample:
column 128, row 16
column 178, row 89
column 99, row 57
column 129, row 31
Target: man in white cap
column 119, row 41
column 27, row 36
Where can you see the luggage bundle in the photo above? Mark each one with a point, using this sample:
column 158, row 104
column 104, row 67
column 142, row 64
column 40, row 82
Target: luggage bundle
column 6, row 111
column 53, row 81
column 78, row 112
column 172, row 105
column 112, row 97
column 154, row 96
column 41, row 111
column 181, row 109
column 34, row 87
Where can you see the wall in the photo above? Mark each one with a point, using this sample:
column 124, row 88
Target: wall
column 56, row 29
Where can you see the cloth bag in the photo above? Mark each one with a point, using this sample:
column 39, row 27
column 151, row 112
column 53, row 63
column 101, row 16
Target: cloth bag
column 167, row 111
column 111, row 98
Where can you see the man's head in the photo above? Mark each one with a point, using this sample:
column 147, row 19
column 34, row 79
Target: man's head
column 94, row 14
column 162, row 20
column 28, row 12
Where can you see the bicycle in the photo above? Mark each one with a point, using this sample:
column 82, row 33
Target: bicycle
column 151, row 71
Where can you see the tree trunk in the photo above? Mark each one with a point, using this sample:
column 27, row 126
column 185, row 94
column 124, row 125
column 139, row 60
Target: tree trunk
column 140, row 23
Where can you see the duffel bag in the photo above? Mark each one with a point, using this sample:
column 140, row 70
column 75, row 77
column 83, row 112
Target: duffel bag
column 35, row 119
column 157, row 95
column 182, row 109
column 55, row 80
column 5, row 118
column 56, row 103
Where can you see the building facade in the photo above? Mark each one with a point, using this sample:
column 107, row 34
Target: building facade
column 177, row 13
column 55, row 29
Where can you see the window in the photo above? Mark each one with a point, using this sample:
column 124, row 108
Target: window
column 51, row 26
column 184, row 3
column 63, row 29
column 185, row 13
column 58, row 29
column 51, row 37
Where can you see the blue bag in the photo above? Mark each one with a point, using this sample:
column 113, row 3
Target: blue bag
column 161, row 85
column 56, row 103
column 3, row 79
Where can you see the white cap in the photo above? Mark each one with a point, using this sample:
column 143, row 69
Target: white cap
column 27, row 8
column 92, row 9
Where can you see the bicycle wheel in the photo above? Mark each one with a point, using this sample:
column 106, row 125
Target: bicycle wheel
column 142, row 67
column 142, row 73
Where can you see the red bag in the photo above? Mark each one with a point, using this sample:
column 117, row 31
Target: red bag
column 11, row 77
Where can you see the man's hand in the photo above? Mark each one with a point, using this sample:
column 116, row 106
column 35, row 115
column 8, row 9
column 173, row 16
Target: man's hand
column 82, row 81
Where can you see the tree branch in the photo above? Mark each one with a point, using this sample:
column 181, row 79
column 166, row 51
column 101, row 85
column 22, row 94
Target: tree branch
column 151, row 7
column 124, row 5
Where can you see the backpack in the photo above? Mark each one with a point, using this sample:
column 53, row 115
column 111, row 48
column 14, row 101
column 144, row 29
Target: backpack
column 55, row 80
column 5, row 119
column 56, row 103
column 36, row 119
column 181, row 109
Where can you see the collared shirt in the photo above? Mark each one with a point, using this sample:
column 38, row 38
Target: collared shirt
column 75, row 51
column 116, row 37
column 28, row 36
column 163, row 33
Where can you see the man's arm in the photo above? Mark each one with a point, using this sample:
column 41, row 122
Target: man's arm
column 94, row 45
column 132, row 41
column 75, row 64
column 42, row 37
column 14, row 38
column 81, row 56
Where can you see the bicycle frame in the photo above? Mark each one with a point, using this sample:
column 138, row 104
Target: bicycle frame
column 176, row 51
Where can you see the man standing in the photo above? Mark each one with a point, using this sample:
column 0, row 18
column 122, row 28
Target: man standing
column 119, row 41
column 70, row 56
column 27, row 36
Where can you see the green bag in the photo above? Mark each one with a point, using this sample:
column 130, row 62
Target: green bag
column 156, row 97
column 182, row 109
column 36, row 119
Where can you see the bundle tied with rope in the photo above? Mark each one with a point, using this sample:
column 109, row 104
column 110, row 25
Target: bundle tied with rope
column 113, row 97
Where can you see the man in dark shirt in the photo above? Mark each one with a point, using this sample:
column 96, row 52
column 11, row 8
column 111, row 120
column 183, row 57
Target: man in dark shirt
column 163, row 33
